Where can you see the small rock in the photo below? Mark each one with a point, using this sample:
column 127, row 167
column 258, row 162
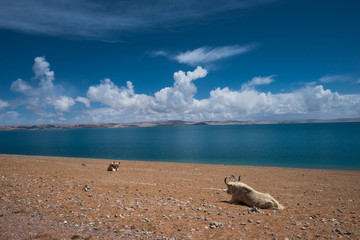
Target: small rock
column 338, row 231
column 133, row 226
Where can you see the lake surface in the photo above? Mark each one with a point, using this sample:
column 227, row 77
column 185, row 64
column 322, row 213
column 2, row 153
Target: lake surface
column 315, row 145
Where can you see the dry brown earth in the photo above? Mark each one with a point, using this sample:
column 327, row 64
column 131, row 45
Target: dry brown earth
column 59, row 198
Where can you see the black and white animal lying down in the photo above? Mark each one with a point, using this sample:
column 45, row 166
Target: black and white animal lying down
column 113, row 166
column 244, row 194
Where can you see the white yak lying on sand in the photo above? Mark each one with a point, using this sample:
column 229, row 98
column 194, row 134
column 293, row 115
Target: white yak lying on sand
column 242, row 193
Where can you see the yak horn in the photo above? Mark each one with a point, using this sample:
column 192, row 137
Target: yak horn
column 239, row 179
column 225, row 180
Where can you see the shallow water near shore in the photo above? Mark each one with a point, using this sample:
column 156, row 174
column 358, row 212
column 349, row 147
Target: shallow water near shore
column 312, row 145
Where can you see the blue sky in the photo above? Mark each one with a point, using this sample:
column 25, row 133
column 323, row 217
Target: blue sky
column 129, row 61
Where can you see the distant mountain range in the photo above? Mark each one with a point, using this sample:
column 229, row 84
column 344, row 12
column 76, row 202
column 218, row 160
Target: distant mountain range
column 165, row 123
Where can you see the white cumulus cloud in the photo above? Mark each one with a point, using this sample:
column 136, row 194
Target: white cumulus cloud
column 21, row 86
column 38, row 98
column 122, row 104
column 83, row 100
column 181, row 94
column 109, row 94
column 63, row 103
column 42, row 72
column 3, row 104
column 319, row 99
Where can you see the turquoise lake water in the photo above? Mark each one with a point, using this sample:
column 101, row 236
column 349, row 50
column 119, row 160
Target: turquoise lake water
column 318, row 145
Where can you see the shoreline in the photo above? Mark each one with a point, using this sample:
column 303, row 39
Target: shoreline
column 45, row 198
column 158, row 161
column 169, row 123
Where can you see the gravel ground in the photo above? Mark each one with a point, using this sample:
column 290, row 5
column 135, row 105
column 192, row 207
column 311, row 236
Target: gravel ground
column 68, row 198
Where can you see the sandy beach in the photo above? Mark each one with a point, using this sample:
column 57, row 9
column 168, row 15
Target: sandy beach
column 74, row 198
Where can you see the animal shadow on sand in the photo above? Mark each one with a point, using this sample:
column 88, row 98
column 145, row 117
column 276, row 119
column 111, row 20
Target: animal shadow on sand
column 234, row 203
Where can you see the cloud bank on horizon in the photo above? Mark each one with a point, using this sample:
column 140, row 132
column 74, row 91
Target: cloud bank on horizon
column 108, row 102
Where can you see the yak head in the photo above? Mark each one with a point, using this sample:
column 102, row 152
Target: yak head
column 230, row 185
column 238, row 187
